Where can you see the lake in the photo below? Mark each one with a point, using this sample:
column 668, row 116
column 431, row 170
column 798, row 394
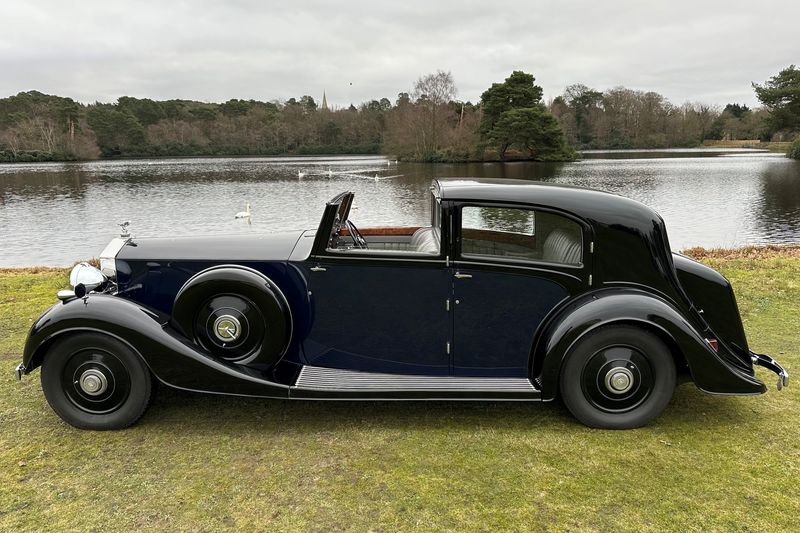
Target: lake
column 57, row 213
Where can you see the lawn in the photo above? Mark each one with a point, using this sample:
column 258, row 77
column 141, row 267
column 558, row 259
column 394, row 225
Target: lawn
column 210, row 463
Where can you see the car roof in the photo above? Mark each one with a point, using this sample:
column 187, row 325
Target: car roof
column 630, row 238
column 586, row 203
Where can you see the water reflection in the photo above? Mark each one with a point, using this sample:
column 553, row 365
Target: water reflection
column 712, row 202
column 57, row 213
column 498, row 219
column 513, row 170
column 778, row 213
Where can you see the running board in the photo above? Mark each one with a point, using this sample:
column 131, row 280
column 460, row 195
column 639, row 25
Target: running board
column 315, row 381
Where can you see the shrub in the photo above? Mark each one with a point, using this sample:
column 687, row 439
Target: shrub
column 794, row 149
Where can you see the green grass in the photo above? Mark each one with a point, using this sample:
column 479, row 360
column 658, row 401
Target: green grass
column 210, row 463
column 782, row 147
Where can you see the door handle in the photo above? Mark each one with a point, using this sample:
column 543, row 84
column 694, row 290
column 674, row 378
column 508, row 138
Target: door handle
column 459, row 275
column 318, row 269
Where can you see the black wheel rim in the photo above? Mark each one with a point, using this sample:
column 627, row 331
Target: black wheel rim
column 92, row 366
column 617, row 379
column 239, row 316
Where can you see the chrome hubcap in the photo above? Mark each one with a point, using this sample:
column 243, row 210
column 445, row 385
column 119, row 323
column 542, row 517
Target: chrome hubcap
column 619, row 380
column 230, row 326
column 227, row 328
column 93, row 382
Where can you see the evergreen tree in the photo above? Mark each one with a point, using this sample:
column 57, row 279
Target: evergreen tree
column 513, row 116
column 781, row 95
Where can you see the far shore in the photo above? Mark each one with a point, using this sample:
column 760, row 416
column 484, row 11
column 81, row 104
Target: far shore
column 490, row 157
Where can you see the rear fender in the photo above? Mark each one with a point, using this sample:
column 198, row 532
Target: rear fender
column 631, row 306
column 173, row 359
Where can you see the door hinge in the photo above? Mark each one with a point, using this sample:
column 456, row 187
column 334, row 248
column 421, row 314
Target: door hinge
column 590, row 280
column 447, row 304
column 591, row 247
column 447, row 261
column 448, row 348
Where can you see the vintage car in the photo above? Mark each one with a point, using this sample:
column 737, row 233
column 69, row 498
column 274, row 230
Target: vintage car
column 516, row 290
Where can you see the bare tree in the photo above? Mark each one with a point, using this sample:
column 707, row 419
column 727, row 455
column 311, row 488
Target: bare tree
column 432, row 93
column 47, row 131
column 11, row 138
column 437, row 88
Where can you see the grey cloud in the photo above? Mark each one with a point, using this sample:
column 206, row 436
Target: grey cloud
column 355, row 51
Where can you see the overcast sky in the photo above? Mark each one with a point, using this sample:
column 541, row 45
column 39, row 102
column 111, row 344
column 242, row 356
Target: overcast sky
column 91, row 50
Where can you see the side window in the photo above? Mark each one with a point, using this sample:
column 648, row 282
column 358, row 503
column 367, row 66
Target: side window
column 425, row 241
column 520, row 234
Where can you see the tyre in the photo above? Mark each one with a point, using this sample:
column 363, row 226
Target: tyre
column 94, row 381
column 235, row 314
column 618, row 377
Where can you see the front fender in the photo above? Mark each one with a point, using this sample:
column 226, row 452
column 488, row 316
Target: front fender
column 605, row 307
column 173, row 360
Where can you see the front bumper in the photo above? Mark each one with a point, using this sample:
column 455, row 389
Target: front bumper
column 769, row 363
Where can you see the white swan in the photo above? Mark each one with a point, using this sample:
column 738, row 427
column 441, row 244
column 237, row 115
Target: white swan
column 245, row 213
column 300, row 174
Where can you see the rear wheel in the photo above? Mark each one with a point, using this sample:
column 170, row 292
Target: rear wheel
column 94, row 381
column 618, row 377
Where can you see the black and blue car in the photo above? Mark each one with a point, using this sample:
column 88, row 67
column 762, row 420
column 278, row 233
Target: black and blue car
column 515, row 291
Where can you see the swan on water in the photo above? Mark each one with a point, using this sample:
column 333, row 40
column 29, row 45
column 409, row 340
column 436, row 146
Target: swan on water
column 245, row 213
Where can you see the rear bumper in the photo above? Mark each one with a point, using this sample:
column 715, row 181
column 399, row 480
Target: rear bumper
column 769, row 363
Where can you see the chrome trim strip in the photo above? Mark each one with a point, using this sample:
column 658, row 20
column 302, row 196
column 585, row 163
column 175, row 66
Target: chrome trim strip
column 335, row 379
column 530, row 265
column 407, row 259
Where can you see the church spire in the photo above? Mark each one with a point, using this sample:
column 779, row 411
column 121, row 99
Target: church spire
column 324, row 102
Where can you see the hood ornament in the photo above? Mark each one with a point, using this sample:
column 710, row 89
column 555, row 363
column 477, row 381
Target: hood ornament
column 125, row 231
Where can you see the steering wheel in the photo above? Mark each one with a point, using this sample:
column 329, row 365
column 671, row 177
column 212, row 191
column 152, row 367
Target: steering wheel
column 358, row 240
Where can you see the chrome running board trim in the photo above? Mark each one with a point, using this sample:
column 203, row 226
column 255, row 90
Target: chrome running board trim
column 335, row 379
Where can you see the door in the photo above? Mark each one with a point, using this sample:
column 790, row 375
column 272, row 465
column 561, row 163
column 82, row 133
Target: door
column 377, row 311
column 377, row 315
column 513, row 266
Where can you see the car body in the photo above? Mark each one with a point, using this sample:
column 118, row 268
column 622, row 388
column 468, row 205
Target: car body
column 516, row 290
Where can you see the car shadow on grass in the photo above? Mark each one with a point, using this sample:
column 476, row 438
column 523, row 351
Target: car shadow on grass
column 203, row 413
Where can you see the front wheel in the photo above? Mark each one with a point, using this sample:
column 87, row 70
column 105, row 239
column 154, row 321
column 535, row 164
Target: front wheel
column 618, row 377
column 94, row 381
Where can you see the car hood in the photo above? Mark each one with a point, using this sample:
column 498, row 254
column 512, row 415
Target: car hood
column 264, row 247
